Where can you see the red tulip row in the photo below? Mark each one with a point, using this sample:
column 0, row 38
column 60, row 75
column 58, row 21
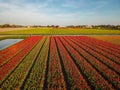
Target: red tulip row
column 19, row 74
column 60, row 63
column 109, row 46
column 55, row 78
column 93, row 77
column 104, row 70
column 75, row 79
column 114, row 46
column 105, row 52
column 9, row 66
column 8, row 53
column 96, row 52
column 100, row 45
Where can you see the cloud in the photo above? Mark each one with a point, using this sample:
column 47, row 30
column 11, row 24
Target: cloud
column 31, row 13
column 45, row 12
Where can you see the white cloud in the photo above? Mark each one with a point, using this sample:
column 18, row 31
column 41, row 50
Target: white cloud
column 19, row 12
column 30, row 14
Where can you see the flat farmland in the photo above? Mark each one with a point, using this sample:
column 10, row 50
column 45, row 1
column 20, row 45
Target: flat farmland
column 58, row 31
column 11, row 29
column 60, row 63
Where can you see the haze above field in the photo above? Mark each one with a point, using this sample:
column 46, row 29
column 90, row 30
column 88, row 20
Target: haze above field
column 59, row 12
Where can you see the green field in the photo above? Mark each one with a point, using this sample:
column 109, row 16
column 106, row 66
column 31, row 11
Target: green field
column 61, row 31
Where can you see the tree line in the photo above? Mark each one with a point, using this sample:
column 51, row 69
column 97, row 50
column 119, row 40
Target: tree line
column 114, row 27
column 117, row 27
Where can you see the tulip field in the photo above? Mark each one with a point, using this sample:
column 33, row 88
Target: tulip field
column 60, row 63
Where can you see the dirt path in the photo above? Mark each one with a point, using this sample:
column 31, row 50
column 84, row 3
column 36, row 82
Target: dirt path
column 11, row 29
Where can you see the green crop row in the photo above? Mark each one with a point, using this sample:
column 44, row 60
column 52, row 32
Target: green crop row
column 37, row 74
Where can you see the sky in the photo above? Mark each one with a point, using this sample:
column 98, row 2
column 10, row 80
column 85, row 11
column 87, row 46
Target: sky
column 60, row 12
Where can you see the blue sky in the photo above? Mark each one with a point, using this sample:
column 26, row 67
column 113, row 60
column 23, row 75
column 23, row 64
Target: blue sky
column 60, row 12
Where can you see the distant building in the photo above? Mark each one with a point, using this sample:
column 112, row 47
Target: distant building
column 88, row 26
column 28, row 26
